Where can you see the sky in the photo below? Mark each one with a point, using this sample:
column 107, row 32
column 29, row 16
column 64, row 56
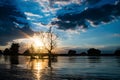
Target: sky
column 80, row 24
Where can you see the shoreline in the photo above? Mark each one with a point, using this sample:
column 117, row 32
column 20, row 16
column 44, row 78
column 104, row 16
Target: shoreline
column 44, row 54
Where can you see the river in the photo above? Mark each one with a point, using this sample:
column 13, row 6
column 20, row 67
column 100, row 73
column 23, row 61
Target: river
column 64, row 68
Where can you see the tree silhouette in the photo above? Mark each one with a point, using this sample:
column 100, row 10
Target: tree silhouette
column 83, row 53
column 49, row 40
column 94, row 52
column 14, row 48
column 26, row 52
column 71, row 52
column 6, row 51
column 1, row 52
column 117, row 52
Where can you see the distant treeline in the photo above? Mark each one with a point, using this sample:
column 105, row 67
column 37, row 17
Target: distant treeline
column 92, row 52
column 14, row 49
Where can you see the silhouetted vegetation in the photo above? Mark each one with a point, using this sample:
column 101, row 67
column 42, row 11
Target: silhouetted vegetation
column 13, row 52
column 71, row 52
column 94, row 52
column 1, row 52
column 6, row 51
column 26, row 52
column 117, row 52
column 14, row 48
column 83, row 54
column 50, row 43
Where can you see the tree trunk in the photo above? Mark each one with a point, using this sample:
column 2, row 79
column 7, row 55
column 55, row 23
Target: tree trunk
column 49, row 59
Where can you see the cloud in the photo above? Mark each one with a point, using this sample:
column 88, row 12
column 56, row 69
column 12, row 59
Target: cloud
column 12, row 32
column 67, row 2
column 116, row 35
column 96, row 16
column 33, row 15
column 11, row 17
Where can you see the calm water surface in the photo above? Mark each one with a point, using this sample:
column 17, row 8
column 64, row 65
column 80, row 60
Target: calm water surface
column 65, row 68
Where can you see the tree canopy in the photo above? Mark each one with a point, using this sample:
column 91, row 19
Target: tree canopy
column 93, row 52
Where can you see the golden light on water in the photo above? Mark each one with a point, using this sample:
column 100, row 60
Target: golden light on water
column 37, row 65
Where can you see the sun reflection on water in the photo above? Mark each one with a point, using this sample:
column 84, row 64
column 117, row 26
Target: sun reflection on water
column 37, row 66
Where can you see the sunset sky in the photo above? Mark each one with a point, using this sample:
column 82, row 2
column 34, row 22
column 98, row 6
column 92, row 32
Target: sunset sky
column 80, row 24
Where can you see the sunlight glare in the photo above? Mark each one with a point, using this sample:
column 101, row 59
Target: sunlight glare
column 38, row 66
column 37, row 42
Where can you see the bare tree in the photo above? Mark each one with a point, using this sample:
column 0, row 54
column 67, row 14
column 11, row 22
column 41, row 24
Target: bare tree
column 49, row 40
column 32, row 50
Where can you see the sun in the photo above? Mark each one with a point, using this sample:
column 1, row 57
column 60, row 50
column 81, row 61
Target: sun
column 37, row 42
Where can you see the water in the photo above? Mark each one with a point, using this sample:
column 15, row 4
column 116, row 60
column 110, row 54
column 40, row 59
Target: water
column 65, row 68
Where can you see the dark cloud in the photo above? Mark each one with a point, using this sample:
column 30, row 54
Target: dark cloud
column 10, row 15
column 12, row 32
column 96, row 16
column 9, row 11
column 92, row 1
